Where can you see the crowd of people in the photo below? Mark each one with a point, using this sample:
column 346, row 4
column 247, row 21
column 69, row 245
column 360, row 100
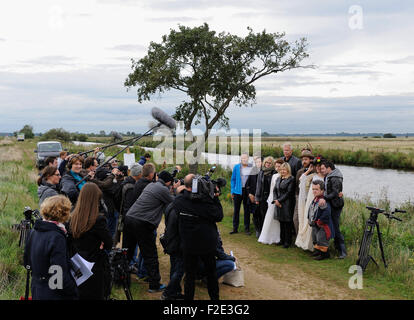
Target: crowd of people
column 292, row 201
column 85, row 207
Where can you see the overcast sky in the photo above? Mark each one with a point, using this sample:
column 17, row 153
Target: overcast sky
column 63, row 63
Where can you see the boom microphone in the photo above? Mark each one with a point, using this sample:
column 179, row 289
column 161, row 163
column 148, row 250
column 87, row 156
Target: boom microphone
column 163, row 118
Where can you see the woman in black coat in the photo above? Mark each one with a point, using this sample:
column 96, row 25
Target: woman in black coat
column 47, row 253
column 284, row 200
column 90, row 239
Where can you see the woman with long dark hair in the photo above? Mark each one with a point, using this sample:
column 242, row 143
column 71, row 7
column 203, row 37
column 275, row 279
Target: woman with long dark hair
column 90, row 239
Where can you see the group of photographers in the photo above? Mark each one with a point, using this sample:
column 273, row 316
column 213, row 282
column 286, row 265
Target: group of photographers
column 84, row 208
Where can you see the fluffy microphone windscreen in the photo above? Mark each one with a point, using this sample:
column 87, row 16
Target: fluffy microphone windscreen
column 163, row 118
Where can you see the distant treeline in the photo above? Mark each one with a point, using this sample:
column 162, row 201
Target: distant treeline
column 383, row 160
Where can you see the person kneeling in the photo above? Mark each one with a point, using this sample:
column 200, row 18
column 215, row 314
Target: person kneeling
column 321, row 222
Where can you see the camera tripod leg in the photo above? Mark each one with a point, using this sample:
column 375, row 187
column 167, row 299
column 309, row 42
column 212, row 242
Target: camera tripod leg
column 380, row 244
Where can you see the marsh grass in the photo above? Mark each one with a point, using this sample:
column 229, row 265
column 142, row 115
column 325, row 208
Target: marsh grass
column 18, row 189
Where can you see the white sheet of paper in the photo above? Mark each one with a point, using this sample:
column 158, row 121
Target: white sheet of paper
column 83, row 267
column 129, row 159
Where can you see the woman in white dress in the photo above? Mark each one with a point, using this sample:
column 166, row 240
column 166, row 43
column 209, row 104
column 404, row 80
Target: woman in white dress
column 271, row 228
column 304, row 237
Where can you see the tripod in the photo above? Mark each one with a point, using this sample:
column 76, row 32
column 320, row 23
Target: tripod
column 120, row 270
column 363, row 254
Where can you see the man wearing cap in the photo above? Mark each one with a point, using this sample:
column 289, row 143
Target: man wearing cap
column 306, row 158
column 142, row 219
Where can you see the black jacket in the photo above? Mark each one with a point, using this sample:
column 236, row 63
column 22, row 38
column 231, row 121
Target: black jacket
column 46, row 247
column 127, row 194
column 284, row 192
column 295, row 164
column 197, row 223
column 88, row 247
column 140, row 186
column 263, row 185
column 252, row 181
column 333, row 184
column 172, row 241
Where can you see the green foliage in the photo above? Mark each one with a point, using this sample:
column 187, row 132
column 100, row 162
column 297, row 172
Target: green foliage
column 27, row 130
column 213, row 70
column 80, row 137
column 389, row 135
column 57, row 134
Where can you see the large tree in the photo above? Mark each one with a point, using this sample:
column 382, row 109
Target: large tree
column 213, row 70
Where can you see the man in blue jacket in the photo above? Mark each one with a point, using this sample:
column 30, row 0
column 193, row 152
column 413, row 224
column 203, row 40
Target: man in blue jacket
column 239, row 194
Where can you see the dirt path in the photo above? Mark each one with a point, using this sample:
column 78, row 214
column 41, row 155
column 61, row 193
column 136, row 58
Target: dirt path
column 264, row 280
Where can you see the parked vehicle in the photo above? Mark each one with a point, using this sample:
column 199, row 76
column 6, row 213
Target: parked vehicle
column 47, row 149
column 20, row 137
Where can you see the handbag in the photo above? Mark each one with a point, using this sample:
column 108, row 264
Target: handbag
column 234, row 278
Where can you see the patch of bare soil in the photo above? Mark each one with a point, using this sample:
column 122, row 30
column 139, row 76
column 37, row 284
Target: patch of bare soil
column 264, row 280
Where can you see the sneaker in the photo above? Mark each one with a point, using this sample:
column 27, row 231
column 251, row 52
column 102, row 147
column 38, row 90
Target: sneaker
column 159, row 289
column 233, row 232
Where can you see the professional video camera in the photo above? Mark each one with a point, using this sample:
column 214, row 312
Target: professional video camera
column 204, row 188
column 120, row 274
column 27, row 224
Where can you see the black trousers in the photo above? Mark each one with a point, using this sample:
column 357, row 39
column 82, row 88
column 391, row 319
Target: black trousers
column 191, row 267
column 339, row 238
column 262, row 210
column 237, row 201
column 286, row 232
column 142, row 233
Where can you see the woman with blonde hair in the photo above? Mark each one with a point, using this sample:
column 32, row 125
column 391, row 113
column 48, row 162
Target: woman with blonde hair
column 90, row 236
column 284, row 200
column 46, row 252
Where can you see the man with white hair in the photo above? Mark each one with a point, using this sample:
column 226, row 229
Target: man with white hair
column 294, row 162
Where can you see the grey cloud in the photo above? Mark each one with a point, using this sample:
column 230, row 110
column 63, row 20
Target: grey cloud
column 173, row 19
column 405, row 60
column 50, row 60
column 129, row 47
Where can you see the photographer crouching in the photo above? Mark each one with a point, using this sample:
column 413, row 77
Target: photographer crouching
column 198, row 213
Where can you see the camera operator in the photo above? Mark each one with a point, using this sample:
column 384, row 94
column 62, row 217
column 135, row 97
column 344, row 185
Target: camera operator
column 141, row 222
column 199, row 236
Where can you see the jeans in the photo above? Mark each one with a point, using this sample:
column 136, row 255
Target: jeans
column 222, row 267
column 143, row 233
column 176, row 274
column 112, row 222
